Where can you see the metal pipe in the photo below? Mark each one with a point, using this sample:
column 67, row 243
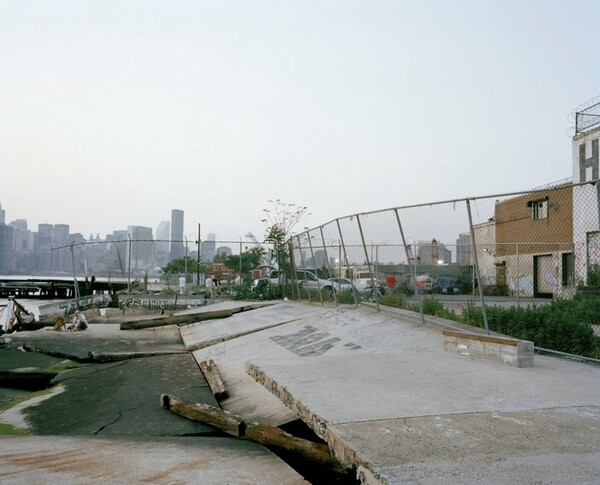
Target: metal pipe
column 343, row 245
column 412, row 268
column 476, row 264
column 362, row 237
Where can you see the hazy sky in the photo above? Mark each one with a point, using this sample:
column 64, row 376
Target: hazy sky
column 112, row 113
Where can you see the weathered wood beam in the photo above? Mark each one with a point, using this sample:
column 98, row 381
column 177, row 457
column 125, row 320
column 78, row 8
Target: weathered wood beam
column 211, row 373
column 259, row 433
column 203, row 413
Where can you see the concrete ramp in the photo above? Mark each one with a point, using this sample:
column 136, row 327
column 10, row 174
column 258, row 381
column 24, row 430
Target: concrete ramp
column 203, row 334
column 321, row 331
column 404, row 411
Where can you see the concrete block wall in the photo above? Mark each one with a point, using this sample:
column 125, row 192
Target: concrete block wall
column 507, row 351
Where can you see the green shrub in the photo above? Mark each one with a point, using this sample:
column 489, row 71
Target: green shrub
column 431, row 306
column 562, row 325
column 394, row 299
column 347, row 297
column 266, row 292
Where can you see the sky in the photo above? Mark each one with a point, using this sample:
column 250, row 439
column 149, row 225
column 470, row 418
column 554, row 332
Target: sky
column 112, row 113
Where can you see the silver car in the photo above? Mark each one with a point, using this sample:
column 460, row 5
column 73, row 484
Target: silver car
column 310, row 281
column 346, row 284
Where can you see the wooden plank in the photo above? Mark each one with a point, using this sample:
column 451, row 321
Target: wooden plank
column 213, row 377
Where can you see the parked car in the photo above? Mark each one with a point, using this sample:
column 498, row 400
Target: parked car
column 309, row 280
column 346, row 284
column 380, row 287
column 270, row 278
column 447, row 285
column 424, row 284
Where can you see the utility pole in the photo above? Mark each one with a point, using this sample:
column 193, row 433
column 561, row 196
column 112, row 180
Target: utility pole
column 75, row 284
column 198, row 267
column 129, row 266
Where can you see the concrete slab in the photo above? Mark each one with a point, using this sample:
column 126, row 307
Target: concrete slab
column 557, row 445
column 102, row 340
column 204, row 334
column 236, row 306
column 79, row 460
column 341, row 330
column 392, row 385
column 401, row 409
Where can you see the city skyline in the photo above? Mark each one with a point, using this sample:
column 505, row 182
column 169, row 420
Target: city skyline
column 93, row 236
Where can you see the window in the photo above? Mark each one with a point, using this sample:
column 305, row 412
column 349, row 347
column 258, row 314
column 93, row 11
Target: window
column 539, row 209
column 568, row 277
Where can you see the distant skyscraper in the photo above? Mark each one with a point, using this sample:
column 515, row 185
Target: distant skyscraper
column 142, row 247
column 177, row 248
column 2, row 215
column 7, row 264
column 208, row 248
column 163, row 232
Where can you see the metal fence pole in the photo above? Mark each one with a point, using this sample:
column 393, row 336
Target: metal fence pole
column 476, row 264
column 292, row 268
column 75, row 284
column 411, row 267
column 518, row 279
column 129, row 266
column 312, row 255
column 346, row 259
column 333, row 290
column 362, row 237
column 296, row 276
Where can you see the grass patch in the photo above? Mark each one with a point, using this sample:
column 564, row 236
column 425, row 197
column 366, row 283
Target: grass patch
column 27, row 397
column 10, row 430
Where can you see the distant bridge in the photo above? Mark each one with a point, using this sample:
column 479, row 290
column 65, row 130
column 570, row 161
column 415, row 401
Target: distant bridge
column 55, row 287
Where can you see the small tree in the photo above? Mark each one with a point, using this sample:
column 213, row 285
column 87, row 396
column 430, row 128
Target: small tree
column 183, row 265
column 244, row 262
column 280, row 220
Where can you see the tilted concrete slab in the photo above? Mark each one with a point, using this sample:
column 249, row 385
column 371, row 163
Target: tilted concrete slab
column 79, row 460
column 203, row 334
column 402, row 410
column 324, row 331
column 235, row 306
column 101, row 339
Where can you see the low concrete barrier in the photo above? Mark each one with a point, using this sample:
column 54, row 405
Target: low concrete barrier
column 516, row 353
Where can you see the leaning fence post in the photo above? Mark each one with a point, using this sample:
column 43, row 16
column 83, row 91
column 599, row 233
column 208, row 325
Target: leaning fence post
column 476, row 264
column 304, row 266
column 333, row 290
column 412, row 269
column 346, row 260
column 373, row 286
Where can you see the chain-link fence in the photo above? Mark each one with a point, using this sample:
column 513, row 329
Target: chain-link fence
column 510, row 249
column 148, row 264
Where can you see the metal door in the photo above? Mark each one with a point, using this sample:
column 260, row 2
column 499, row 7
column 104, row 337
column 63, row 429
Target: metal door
column 544, row 277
